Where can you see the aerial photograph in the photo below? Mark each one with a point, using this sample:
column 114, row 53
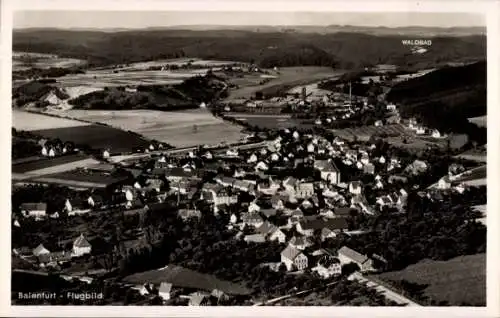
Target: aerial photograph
column 214, row 158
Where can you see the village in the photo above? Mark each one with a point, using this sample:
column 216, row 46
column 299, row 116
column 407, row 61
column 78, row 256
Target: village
column 303, row 191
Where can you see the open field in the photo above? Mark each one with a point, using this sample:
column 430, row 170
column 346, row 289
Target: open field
column 310, row 89
column 78, row 178
column 97, row 137
column 365, row 132
column 30, row 121
column 481, row 121
column 179, row 128
column 23, row 61
column 457, row 281
column 108, row 78
column 186, row 278
column 474, row 155
column 287, row 78
column 57, row 164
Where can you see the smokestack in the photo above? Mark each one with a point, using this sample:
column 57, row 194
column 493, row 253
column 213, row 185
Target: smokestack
column 350, row 94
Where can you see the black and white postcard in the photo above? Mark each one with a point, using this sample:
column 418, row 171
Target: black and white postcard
column 327, row 156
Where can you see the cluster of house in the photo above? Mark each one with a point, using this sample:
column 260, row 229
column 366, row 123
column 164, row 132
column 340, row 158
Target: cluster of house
column 45, row 258
column 421, row 130
column 55, row 148
column 167, row 292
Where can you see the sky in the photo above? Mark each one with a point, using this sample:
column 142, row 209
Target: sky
column 144, row 19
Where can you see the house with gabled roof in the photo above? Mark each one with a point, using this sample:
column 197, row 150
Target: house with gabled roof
column 40, row 250
column 347, row 255
column 308, row 227
column 294, row 258
column 328, row 171
column 81, row 246
column 300, row 242
column 355, row 187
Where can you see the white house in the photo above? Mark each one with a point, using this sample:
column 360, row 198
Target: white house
column 253, row 207
column 52, row 152
column 36, row 210
column 40, row 250
column 105, row 154
column 328, row 170
column 293, row 257
column 328, row 266
column 379, row 123
column 304, row 190
column 444, row 183
column 355, row 187
column 81, row 246
column 436, row 134
column 262, row 166
column 420, row 130
column 277, row 235
column 310, row 148
column 67, row 206
column 165, row 290
column 44, row 151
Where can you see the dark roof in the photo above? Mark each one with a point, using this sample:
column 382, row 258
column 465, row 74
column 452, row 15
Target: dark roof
column 266, row 228
column 328, row 260
column 179, row 172
column 158, row 207
column 343, row 211
column 353, row 255
column 34, row 206
column 186, row 278
column 268, row 212
column 290, row 252
column 318, row 224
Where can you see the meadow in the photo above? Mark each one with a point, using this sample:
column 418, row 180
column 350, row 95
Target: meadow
column 31, row 121
column 459, row 280
column 286, row 79
column 178, row 128
column 113, row 78
column 97, row 137
column 23, row 61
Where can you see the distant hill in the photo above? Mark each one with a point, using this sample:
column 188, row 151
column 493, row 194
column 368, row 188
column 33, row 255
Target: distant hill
column 342, row 48
column 328, row 29
column 446, row 98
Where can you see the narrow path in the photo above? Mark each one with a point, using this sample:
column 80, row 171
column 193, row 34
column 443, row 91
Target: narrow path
column 389, row 294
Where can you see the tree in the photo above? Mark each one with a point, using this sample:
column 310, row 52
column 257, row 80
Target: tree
column 349, row 269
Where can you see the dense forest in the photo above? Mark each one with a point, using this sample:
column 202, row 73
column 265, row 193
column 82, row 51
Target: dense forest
column 188, row 94
column 445, row 98
column 344, row 50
